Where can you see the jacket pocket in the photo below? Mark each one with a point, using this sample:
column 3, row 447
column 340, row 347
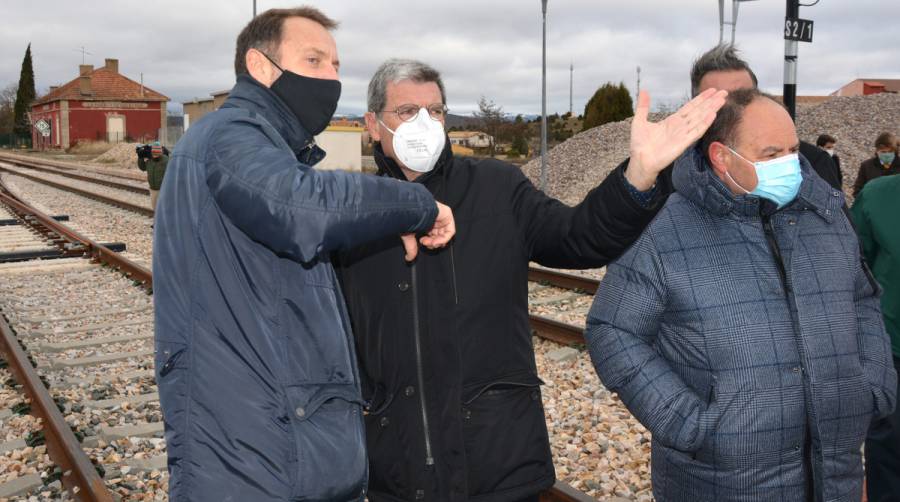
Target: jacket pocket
column 171, row 372
column 505, row 436
column 330, row 443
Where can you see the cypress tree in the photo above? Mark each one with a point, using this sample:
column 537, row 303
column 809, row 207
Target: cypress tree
column 24, row 97
column 611, row 103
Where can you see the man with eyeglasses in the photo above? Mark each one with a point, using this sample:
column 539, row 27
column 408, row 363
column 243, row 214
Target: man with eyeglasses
column 453, row 397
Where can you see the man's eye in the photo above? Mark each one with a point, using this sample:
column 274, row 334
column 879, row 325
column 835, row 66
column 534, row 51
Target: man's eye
column 313, row 61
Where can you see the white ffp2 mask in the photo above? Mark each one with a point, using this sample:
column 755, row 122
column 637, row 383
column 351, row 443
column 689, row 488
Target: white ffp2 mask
column 418, row 144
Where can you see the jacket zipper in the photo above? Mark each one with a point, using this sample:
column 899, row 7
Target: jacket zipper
column 779, row 260
column 453, row 272
column 429, row 458
column 776, row 251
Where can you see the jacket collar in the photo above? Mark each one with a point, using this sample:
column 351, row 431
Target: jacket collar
column 250, row 95
column 389, row 167
column 694, row 179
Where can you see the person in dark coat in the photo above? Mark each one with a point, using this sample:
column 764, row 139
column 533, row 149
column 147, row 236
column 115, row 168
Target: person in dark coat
column 444, row 343
column 254, row 359
column 827, row 142
column 886, row 162
column 743, row 328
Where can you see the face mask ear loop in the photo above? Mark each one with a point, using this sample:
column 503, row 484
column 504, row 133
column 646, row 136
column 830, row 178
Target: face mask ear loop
column 729, row 174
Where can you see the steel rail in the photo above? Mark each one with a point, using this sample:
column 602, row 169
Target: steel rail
column 85, row 193
column 95, row 250
column 69, row 173
column 563, row 280
column 562, row 492
column 556, row 331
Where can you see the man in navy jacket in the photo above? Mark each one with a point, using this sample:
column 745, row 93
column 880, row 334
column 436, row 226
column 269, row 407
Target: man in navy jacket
column 254, row 359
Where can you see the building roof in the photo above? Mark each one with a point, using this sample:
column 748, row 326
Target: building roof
column 106, row 85
column 890, row 84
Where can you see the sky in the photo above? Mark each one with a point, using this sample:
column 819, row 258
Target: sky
column 185, row 48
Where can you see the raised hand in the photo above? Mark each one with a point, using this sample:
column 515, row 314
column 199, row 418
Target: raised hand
column 440, row 234
column 656, row 145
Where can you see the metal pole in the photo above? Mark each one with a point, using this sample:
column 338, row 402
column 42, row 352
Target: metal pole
column 790, row 62
column 721, row 20
column 735, row 5
column 571, row 79
column 254, row 8
column 544, row 100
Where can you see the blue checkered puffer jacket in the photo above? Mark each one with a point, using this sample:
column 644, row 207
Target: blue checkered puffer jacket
column 751, row 346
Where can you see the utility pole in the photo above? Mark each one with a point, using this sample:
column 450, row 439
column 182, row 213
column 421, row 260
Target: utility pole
column 571, row 79
column 254, row 8
column 790, row 62
column 544, row 99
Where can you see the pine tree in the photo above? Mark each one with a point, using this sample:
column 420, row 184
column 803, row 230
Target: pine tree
column 611, row 103
column 24, row 97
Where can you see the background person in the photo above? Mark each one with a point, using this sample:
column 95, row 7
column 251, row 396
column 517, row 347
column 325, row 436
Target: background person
column 884, row 163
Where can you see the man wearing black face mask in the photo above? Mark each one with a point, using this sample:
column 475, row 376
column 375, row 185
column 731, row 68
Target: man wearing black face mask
column 255, row 364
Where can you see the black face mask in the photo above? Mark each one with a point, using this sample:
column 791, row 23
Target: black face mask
column 313, row 100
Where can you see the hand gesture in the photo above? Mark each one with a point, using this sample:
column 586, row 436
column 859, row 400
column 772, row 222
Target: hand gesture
column 440, row 234
column 656, row 145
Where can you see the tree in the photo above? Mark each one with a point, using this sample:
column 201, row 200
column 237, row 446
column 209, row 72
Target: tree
column 7, row 108
column 492, row 120
column 611, row 103
column 24, row 97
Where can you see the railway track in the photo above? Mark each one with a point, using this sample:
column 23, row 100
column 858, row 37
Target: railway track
column 563, row 288
column 132, row 198
column 85, row 364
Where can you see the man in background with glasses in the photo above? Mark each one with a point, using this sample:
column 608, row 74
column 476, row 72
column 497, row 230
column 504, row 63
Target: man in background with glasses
column 444, row 343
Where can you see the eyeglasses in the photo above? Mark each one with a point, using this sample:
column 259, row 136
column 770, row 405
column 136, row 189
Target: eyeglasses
column 409, row 112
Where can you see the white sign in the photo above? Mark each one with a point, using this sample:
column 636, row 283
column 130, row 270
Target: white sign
column 44, row 127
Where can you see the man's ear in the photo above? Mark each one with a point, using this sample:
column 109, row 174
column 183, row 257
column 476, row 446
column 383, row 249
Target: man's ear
column 259, row 67
column 719, row 157
column 372, row 126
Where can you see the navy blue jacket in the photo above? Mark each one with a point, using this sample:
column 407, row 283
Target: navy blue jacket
column 254, row 359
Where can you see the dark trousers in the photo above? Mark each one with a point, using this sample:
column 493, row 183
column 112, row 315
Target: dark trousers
column 883, row 456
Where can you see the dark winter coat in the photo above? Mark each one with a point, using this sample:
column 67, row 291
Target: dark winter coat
column 445, row 346
column 748, row 341
column 254, row 356
column 873, row 168
column 155, row 169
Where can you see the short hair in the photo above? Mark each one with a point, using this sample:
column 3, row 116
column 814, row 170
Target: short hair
column 724, row 127
column 264, row 32
column 723, row 57
column 887, row 140
column 397, row 70
column 824, row 139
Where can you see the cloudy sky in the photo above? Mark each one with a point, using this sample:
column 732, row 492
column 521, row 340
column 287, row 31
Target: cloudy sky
column 185, row 48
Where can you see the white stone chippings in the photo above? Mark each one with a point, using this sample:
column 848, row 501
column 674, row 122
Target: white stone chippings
column 580, row 163
column 53, row 307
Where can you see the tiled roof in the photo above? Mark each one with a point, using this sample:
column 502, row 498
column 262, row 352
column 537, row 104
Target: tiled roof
column 106, row 85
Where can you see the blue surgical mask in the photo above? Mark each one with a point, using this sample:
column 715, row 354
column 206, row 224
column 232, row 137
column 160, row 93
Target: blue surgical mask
column 778, row 179
column 886, row 158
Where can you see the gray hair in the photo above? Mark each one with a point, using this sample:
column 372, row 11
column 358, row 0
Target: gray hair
column 724, row 127
column 397, row 70
column 723, row 57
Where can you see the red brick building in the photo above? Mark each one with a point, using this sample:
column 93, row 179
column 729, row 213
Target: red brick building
column 99, row 105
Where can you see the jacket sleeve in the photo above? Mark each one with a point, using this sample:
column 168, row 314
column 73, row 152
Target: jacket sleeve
column 142, row 163
column 302, row 212
column 589, row 235
column 861, row 179
column 622, row 326
column 872, row 337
